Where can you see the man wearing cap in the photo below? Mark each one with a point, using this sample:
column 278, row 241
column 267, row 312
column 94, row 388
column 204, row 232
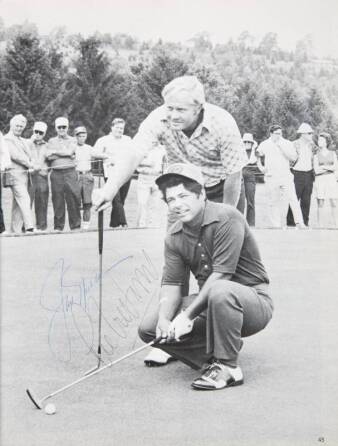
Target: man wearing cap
column 303, row 168
column 65, row 187
column 83, row 157
column 278, row 153
column 205, row 330
column 21, row 163
column 111, row 148
column 249, row 177
column 192, row 131
column 39, row 188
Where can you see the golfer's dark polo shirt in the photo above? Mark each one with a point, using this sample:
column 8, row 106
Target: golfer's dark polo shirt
column 224, row 244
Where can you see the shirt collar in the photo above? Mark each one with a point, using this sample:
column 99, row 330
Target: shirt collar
column 10, row 135
column 210, row 216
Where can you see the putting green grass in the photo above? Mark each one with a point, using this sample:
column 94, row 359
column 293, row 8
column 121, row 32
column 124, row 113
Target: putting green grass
column 49, row 289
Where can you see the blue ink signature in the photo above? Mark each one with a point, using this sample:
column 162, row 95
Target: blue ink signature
column 71, row 304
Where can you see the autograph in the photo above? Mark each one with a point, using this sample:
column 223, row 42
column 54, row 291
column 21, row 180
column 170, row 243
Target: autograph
column 72, row 305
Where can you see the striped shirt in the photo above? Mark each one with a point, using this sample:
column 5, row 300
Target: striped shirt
column 215, row 146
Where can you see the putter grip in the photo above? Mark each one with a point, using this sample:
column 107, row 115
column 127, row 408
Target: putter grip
column 100, row 218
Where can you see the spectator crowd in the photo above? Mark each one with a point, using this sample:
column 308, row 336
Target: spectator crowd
column 33, row 167
column 63, row 165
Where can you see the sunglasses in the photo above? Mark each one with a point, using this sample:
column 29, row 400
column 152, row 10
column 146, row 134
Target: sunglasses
column 38, row 132
column 62, row 127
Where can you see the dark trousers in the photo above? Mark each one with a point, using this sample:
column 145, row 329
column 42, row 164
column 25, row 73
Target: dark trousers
column 2, row 223
column 39, row 193
column 250, row 191
column 65, row 190
column 234, row 311
column 215, row 193
column 118, row 216
column 304, row 185
column 241, row 200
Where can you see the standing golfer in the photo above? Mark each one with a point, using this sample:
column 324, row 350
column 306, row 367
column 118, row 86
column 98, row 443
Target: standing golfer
column 192, row 131
column 205, row 330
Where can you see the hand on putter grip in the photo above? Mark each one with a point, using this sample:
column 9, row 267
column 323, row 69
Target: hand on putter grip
column 180, row 326
column 162, row 329
column 99, row 200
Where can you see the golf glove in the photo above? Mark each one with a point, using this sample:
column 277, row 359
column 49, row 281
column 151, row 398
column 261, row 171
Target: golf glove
column 180, row 326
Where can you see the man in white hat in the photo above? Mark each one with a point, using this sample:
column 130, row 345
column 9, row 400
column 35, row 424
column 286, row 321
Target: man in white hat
column 39, row 188
column 192, row 131
column 205, row 330
column 65, row 187
column 21, row 164
column 303, row 168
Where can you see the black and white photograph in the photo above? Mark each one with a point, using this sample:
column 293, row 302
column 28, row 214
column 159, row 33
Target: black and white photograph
column 169, row 222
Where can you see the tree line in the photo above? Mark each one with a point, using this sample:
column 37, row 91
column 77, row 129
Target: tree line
column 93, row 79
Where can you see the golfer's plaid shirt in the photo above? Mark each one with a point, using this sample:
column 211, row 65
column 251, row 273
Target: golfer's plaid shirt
column 215, row 146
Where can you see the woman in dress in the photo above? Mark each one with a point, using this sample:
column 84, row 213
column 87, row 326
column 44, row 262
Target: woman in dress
column 325, row 167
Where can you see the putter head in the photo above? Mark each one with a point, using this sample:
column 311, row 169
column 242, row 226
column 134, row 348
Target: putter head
column 34, row 400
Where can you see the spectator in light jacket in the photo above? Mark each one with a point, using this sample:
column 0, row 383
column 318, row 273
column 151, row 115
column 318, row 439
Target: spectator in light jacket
column 21, row 164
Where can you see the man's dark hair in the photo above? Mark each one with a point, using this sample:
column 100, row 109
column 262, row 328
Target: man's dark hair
column 274, row 127
column 327, row 137
column 118, row 121
column 176, row 180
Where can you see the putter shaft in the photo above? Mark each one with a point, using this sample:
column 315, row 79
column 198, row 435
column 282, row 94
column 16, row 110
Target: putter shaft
column 38, row 403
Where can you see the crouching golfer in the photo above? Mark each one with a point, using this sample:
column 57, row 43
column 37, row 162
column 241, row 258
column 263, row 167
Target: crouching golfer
column 205, row 330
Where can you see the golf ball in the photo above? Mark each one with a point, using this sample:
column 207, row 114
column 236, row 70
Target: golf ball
column 50, row 409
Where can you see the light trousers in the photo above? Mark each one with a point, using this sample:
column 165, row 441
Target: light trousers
column 281, row 195
column 148, row 202
column 21, row 204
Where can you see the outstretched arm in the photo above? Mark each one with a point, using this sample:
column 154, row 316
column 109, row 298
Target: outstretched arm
column 124, row 166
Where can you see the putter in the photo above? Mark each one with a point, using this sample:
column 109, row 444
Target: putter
column 99, row 346
column 38, row 402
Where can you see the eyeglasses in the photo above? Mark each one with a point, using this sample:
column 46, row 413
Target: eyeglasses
column 61, row 127
column 38, row 132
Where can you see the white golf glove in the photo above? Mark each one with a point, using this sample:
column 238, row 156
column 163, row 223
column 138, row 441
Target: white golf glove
column 180, row 326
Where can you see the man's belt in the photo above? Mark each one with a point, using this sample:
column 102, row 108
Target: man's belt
column 214, row 183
